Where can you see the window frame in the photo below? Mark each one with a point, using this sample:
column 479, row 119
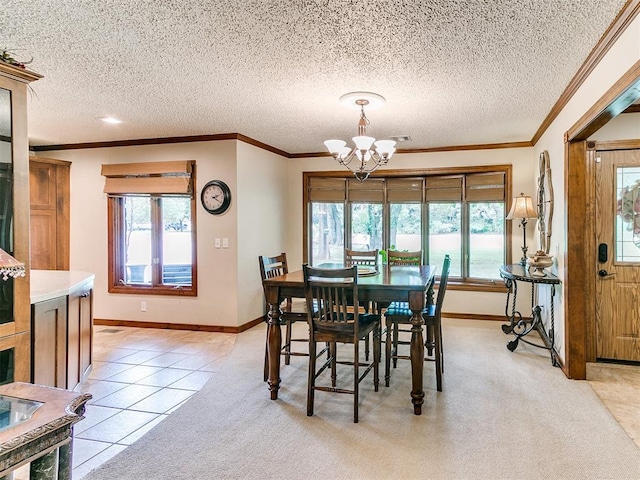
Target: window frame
column 115, row 232
column 460, row 283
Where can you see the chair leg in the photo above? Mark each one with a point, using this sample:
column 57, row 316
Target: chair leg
column 429, row 341
column 266, row 361
column 387, row 354
column 438, row 357
column 377, row 346
column 356, row 383
column 394, row 352
column 333, row 353
column 311, row 384
column 366, row 348
column 287, row 345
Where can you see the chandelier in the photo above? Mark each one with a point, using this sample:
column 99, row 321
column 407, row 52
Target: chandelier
column 362, row 160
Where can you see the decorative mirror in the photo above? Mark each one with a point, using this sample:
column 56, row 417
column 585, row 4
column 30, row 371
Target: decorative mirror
column 545, row 202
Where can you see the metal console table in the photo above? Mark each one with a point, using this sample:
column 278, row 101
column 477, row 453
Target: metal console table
column 519, row 325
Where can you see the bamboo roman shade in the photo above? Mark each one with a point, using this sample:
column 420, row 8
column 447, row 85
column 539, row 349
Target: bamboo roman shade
column 404, row 190
column 444, row 189
column 372, row 190
column 484, row 187
column 327, row 189
column 174, row 177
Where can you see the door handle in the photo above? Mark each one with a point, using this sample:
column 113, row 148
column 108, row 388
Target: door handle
column 604, row 274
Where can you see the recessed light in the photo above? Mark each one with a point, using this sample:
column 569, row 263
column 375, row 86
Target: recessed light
column 112, row 120
column 401, row 138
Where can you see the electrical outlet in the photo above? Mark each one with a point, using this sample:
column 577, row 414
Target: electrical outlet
column 143, row 306
column 225, row 243
column 216, row 243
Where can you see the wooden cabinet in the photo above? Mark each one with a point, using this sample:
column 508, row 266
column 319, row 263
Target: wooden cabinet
column 62, row 333
column 49, row 184
column 15, row 354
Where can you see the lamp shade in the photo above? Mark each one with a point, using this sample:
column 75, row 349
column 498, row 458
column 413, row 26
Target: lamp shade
column 522, row 207
column 10, row 267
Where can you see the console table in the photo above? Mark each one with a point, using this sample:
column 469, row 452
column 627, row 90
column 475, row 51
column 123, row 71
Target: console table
column 521, row 326
column 36, row 426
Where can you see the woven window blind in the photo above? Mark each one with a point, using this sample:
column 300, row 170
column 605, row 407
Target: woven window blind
column 371, row 190
column 404, row 189
column 327, row 189
column 174, row 177
column 484, row 187
column 444, row 188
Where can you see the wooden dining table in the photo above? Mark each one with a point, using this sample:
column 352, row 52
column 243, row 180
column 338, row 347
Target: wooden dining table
column 413, row 284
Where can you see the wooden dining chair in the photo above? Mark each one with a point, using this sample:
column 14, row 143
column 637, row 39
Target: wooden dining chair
column 271, row 267
column 367, row 258
column 360, row 257
column 334, row 292
column 399, row 313
column 396, row 257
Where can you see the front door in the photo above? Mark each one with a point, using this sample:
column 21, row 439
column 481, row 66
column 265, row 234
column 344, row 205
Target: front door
column 618, row 255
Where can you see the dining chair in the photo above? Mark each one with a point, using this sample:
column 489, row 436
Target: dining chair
column 334, row 292
column 271, row 267
column 396, row 257
column 367, row 258
column 399, row 313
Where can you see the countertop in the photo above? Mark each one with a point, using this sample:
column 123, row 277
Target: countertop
column 48, row 284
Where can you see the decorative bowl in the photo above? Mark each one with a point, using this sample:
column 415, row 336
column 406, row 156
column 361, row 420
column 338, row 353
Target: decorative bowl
column 539, row 261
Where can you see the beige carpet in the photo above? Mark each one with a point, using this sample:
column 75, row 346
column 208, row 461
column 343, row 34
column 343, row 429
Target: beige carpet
column 502, row 415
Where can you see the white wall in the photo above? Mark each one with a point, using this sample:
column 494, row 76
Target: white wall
column 262, row 222
column 617, row 61
column 456, row 301
column 217, row 300
column 622, row 127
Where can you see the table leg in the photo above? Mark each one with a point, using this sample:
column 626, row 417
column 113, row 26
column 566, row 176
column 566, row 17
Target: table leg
column 274, row 340
column 416, row 303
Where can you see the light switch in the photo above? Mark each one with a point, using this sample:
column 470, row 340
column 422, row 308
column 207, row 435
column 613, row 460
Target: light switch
column 225, row 243
column 217, row 243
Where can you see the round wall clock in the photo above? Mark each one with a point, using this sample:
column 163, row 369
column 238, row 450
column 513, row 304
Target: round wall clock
column 216, row 197
column 545, row 202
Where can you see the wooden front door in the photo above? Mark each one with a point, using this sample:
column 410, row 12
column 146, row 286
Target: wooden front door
column 618, row 255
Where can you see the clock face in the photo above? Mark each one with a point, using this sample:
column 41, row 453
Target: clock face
column 216, row 197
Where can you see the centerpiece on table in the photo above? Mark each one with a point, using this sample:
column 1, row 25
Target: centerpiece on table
column 539, row 261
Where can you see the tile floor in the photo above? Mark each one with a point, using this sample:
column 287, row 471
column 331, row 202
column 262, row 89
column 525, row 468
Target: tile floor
column 139, row 377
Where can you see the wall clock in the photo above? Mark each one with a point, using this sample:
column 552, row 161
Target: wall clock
column 545, row 202
column 216, row 197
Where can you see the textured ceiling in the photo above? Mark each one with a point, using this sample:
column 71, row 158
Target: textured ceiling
column 454, row 72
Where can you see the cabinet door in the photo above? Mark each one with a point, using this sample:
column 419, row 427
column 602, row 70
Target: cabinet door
column 80, row 332
column 49, row 337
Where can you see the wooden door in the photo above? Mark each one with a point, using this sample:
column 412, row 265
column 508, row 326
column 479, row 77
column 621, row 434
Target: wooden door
column 618, row 255
column 49, row 200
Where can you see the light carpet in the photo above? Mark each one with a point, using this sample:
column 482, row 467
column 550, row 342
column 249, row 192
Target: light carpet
column 502, row 415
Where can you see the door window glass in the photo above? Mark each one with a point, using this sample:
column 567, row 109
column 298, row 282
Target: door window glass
column 627, row 226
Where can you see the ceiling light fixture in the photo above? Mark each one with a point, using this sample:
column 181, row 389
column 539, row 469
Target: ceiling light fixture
column 362, row 160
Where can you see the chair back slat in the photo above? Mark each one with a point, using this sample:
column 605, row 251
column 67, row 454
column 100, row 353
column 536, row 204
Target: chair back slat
column 330, row 296
column 359, row 257
column 394, row 257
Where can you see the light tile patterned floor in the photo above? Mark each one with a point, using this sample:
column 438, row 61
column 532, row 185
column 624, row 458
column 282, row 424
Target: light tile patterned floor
column 140, row 376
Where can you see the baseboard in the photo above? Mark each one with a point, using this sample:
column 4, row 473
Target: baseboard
column 178, row 326
column 248, row 325
column 474, row 316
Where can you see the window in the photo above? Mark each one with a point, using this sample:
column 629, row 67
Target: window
column 152, row 242
column 460, row 213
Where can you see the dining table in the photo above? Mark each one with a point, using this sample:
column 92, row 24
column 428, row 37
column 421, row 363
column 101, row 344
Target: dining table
column 413, row 284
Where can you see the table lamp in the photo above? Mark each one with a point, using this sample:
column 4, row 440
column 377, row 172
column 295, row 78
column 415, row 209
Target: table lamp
column 522, row 207
column 10, row 267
